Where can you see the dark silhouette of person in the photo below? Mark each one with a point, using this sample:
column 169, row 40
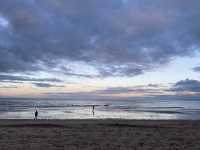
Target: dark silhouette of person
column 93, row 110
column 36, row 114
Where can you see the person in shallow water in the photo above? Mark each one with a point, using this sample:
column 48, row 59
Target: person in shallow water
column 36, row 114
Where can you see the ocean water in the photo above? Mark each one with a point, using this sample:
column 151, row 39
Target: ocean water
column 82, row 109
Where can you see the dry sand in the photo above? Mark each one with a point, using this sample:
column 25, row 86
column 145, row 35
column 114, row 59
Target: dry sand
column 99, row 135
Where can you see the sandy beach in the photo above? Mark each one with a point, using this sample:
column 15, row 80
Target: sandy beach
column 99, row 135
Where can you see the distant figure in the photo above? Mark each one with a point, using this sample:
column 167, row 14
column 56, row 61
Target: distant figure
column 36, row 114
column 93, row 110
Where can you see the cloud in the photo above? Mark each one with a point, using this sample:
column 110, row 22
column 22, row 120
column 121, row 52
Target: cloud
column 118, row 70
column 8, row 87
column 187, row 86
column 145, row 90
column 196, row 69
column 16, row 79
column 117, row 37
column 153, row 85
column 130, row 90
column 46, row 85
column 3, row 22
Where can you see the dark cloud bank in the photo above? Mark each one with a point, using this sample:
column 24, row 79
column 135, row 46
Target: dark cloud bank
column 187, row 86
column 46, row 85
column 196, row 69
column 14, row 78
column 38, row 82
column 119, row 38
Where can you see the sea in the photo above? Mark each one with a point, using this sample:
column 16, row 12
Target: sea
column 148, row 109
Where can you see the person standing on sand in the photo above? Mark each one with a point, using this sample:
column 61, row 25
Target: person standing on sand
column 93, row 110
column 36, row 114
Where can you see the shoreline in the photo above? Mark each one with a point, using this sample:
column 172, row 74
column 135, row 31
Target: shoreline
column 119, row 122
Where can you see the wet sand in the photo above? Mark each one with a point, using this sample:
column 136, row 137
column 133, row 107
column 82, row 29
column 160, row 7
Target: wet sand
column 99, row 135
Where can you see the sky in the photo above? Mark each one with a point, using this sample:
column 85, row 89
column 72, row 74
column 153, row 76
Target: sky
column 99, row 48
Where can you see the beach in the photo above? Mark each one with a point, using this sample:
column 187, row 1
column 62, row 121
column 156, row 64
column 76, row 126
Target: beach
column 99, row 134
